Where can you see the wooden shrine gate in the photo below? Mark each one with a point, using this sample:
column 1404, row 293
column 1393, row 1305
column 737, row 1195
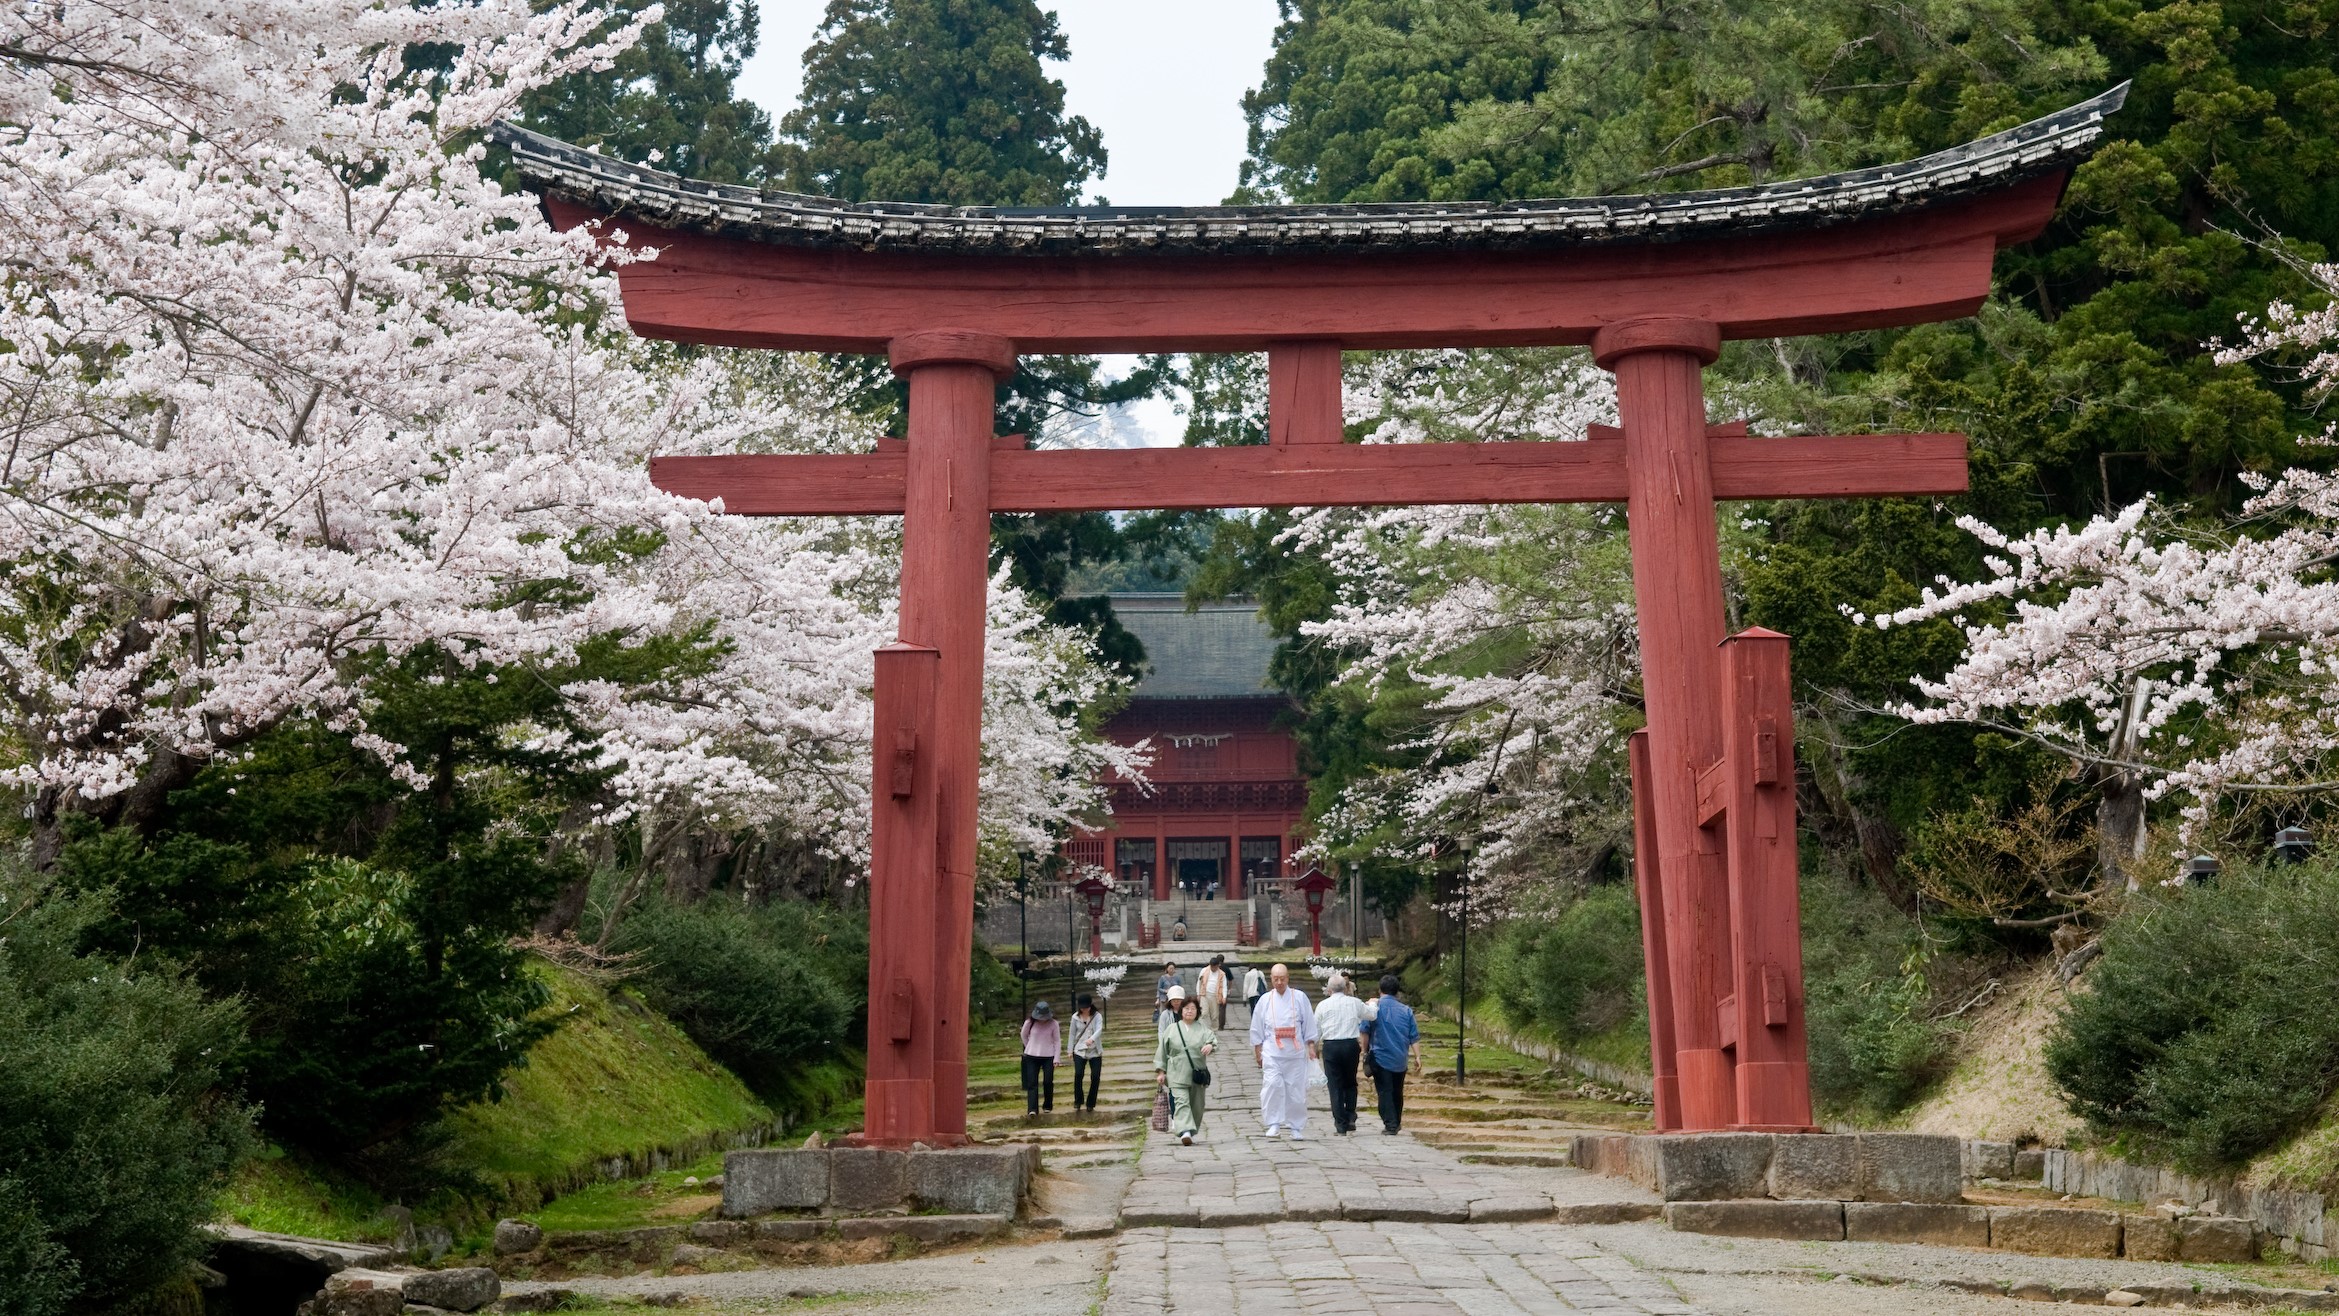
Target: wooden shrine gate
column 1653, row 284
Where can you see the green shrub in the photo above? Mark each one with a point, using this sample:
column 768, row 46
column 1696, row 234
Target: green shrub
column 765, row 991
column 1576, row 974
column 1875, row 1046
column 115, row 1136
column 2206, row 1030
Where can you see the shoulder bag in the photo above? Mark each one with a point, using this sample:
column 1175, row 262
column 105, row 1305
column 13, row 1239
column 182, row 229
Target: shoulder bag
column 1200, row 1075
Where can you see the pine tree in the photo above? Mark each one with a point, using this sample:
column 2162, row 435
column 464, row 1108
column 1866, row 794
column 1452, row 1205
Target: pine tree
column 942, row 101
column 671, row 99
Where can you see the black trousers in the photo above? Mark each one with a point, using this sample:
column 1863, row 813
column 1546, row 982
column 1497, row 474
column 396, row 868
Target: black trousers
column 1340, row 1055
column 1090, row 1069
column 1039, row 1077
column 1389, row 1086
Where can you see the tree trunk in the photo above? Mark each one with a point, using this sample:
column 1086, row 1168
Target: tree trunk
column 2119, row 830
column 1832, row 780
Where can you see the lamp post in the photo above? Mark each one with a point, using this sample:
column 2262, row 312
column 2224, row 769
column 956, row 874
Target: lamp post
column 1094, row 888
column 1313, row 886
column 1355, row 911
column 1023, row 933
column 1466, row 843
column 2292, row 845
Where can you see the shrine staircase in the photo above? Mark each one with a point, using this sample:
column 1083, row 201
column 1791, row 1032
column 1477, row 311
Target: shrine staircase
column 1212, row 922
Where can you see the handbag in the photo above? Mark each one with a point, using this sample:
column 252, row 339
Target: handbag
column 1161, row 1110
column 1199, row 1073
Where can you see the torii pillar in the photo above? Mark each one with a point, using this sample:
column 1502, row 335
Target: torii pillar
column 929, row 748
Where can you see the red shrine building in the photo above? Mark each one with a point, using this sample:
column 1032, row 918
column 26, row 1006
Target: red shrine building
column 1223, row 802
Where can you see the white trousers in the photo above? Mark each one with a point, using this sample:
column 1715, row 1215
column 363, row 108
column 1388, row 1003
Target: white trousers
column 1283, row 1090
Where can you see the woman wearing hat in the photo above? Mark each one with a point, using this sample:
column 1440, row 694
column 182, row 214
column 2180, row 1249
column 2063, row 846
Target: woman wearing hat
column 1043, row 1045
column 1169, row 1010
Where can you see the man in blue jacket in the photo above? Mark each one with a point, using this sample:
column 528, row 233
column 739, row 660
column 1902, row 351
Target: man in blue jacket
column 1393, row 1043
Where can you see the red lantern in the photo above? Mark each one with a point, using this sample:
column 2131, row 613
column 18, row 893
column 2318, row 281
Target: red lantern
column 1313, row 885
column 1095, row 888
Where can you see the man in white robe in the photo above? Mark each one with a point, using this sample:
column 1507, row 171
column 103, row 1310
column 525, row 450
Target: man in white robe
column 1284, row 1038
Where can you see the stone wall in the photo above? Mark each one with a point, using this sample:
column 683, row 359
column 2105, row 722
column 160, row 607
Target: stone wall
column 1707, row 1167
column 2295, row 1221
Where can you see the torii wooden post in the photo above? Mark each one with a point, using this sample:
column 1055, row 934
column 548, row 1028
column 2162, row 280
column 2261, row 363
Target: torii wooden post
column 1653, row 285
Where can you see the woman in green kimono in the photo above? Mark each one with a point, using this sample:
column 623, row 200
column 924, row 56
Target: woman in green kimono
column 1185, row 1047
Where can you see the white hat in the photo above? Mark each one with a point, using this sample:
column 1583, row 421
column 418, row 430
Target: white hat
column 1177, row 993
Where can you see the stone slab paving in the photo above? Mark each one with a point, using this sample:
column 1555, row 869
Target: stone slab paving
column 1383, row 1268
column 1235, row 1174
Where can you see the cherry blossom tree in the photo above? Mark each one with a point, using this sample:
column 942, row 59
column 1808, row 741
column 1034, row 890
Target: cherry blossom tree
column 1498, row 641
column 293, row 386
column 2170, row 659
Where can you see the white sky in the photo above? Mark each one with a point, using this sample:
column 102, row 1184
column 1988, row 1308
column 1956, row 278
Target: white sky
column 1163, row 82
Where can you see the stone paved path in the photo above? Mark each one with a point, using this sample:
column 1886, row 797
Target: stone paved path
column 1236, row 1175
column 1364, row 1225
column 1389, row 1268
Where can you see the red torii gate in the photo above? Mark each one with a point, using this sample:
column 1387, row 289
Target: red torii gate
column 1654, row 284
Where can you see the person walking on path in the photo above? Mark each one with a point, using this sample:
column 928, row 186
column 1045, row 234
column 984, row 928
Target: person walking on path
column 1284, row 1039
column 1169, row 1010
column 1162, row 987
column 1339, row 1019
column 1043, row 1044
column 1180, row 1063
column 1254, row 987
column 1210, row 986
column 1086, row 1041
column 1393, row 1040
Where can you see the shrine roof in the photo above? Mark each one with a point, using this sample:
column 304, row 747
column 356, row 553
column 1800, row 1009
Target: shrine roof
column 2043, row 146
column 1217, row 651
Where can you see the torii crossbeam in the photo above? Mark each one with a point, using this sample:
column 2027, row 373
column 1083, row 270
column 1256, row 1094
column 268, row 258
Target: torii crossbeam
column 1653, row 284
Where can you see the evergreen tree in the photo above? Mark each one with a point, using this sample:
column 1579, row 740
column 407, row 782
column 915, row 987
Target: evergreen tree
column 670, row 99
column 949, row 102
column 941, row 101
column 2086, row 382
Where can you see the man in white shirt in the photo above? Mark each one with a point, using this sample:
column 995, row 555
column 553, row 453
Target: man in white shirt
column 1211, row 986
column 1338, row 1019
column 1254, row 987
column 1284, row 1038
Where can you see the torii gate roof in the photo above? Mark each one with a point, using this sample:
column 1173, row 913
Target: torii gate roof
column 2044, row 147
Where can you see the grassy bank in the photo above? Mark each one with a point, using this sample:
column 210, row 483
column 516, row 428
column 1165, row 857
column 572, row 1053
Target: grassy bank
column 618, row 1090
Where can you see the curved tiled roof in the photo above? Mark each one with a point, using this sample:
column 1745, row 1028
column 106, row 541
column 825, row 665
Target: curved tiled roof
column 2042, row 146
column 1217, row 651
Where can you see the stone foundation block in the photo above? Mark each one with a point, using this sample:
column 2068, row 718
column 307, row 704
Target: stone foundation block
column 2215, row 1238
column 1817, row 1222
column 1141, row 1217
column 1510, row 1209
column 970, row 1180
column 2050, row 1231
column 2148, row 1238
column 787, row 1231
column 762, row 1180
column 1812, row 1166
column 721, row 1233
column 1711, row 1167
column 1910, row 1167
column 1409, row 1210
column 461, row 1288
column 2030, row 1164
column 1605, row 1213
column 925, row 1228
column 1989, row 1160
column 863, row 1178
column 1917, row 1222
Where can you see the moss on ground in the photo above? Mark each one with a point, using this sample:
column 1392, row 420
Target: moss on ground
column 617, row 1079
